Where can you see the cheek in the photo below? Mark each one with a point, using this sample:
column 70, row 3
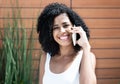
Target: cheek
column 54, row 35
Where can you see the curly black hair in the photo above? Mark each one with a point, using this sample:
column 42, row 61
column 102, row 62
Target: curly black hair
column 45, row 26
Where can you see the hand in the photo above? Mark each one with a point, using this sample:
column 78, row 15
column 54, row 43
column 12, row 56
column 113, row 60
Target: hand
column 82, row 41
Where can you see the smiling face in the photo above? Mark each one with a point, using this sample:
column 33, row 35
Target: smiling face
column 60, row 30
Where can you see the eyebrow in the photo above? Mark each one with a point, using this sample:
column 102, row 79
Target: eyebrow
column 62, row 23
column 55, row 25
column 65, row 23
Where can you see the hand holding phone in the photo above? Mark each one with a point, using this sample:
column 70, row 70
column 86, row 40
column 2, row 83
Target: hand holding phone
column 74, row 38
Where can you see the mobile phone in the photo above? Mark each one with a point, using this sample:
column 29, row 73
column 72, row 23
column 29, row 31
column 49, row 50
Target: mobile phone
column 74, row 38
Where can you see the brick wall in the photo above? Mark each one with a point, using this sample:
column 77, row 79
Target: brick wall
column 101, row 16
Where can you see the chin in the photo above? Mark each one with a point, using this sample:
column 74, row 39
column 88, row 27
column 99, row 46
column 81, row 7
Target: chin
column 65, row 44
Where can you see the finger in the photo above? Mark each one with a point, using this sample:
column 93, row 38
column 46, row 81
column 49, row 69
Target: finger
column 76, row 29
column 81, row 27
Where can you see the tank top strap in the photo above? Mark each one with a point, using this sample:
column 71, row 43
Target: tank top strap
column 74, row 68
column 78, row 58
column 48, row 57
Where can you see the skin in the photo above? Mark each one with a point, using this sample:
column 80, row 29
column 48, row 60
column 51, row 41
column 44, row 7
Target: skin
column 62, row 33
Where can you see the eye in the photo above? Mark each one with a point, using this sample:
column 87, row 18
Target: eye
column 66, row 25
column 54, row 28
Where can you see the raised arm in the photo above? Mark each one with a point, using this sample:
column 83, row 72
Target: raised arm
column 88, row 63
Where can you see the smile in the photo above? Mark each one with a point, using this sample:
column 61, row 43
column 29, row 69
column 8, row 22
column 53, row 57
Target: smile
column 64, row 37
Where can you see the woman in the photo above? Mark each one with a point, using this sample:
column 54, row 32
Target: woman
column 62, row 62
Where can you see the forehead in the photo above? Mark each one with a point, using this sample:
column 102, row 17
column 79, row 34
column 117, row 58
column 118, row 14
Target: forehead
column 61, row 18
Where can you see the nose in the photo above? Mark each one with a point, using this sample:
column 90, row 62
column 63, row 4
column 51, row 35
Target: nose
column 62, row 29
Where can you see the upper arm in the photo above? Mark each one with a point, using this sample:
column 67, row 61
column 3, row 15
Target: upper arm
column 87, row 69
column 42, row 67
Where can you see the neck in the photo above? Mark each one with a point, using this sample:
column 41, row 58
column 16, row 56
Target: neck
column 64, row 51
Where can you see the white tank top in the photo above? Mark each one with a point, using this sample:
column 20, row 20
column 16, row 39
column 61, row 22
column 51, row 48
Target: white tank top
column 70, row 76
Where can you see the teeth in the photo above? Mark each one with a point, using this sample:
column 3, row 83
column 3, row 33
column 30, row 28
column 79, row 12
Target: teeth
column 63, row 37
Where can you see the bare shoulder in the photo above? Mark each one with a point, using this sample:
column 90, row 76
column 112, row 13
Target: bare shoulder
column 93, row 60
column 42, row 59
column 43, row 56
column 41, row 67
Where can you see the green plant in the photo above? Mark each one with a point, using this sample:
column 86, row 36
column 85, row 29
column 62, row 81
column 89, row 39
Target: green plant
column 15, row 52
